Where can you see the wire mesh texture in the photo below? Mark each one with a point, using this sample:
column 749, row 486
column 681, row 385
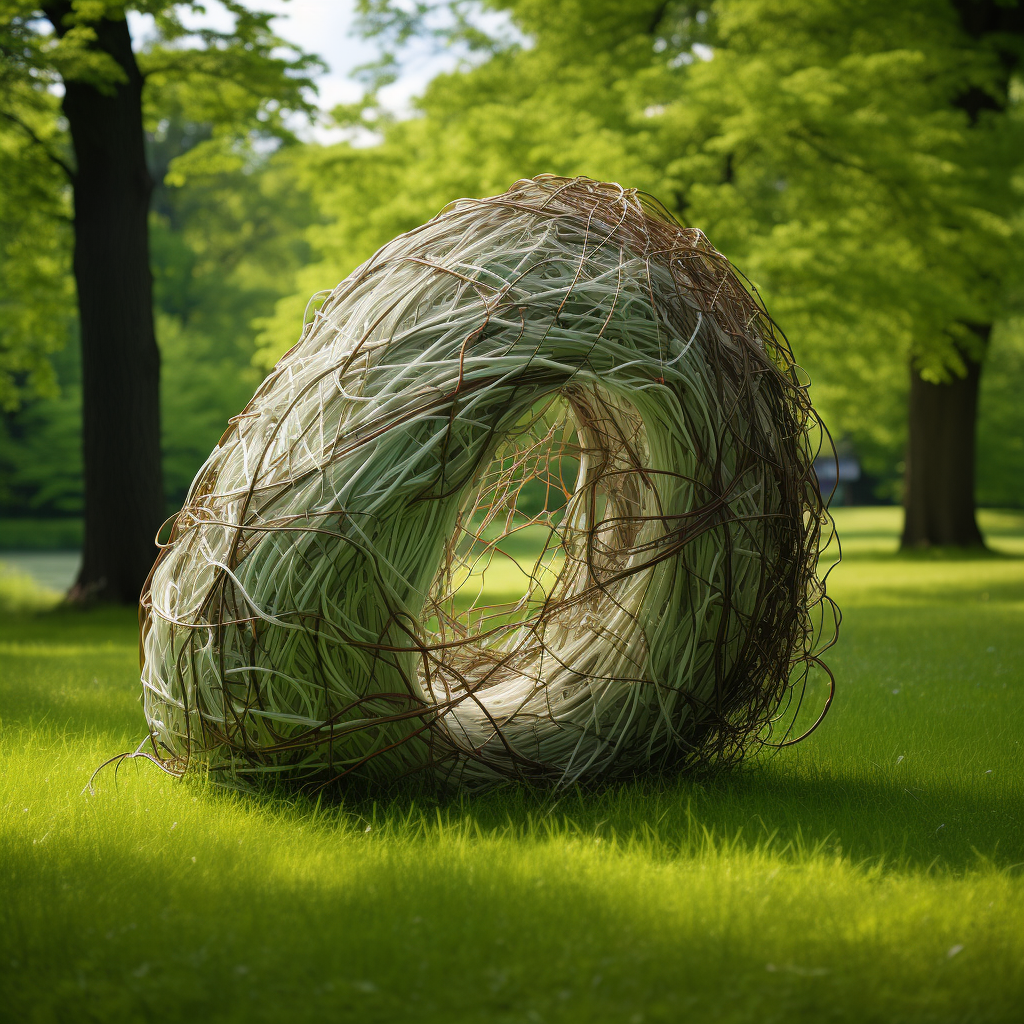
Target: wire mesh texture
column 532, row 498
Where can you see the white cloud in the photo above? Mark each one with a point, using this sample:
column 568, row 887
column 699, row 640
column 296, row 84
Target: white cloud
column 324, row 27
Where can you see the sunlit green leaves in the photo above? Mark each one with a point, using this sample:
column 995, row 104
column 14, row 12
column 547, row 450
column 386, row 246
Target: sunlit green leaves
column 36, row 293
column 862, row 163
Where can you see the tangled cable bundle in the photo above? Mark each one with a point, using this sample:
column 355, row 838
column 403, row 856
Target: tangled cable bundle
column 531, row 498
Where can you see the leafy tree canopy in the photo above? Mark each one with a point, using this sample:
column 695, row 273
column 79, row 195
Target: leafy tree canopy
column 861, row 163
column 224, row 228
column 235, row 92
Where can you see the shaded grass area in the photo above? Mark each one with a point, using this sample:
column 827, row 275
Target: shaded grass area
column 876, row 531
column 869, row 874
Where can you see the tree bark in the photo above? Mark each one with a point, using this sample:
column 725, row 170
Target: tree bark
column 124, row 503
column 938, row 495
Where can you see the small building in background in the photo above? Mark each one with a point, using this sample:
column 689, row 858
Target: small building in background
column 837, row 477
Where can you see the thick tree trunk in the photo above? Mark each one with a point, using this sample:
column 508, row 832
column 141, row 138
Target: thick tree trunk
column 939, row 484
column 124, row 502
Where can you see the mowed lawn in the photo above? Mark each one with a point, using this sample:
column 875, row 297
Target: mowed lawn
column 871, row 874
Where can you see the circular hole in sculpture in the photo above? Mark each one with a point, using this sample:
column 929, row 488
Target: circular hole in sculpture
column 542, row 568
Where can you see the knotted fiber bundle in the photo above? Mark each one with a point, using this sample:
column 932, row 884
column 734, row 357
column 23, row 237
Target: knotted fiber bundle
column 557, row 386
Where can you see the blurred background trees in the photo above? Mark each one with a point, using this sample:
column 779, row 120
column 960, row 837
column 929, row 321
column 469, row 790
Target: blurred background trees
column 235, row 87
column 862, row 164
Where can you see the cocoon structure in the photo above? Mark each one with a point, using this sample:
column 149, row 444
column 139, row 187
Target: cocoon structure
column 559, row 388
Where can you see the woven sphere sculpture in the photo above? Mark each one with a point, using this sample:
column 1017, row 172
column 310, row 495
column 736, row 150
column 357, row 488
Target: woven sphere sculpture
column 560, row 383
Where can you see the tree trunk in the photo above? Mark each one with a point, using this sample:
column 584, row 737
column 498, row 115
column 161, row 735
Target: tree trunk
column 124, row 503
column 939, row 484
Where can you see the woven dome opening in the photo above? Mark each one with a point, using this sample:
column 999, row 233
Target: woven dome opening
column 572, row 544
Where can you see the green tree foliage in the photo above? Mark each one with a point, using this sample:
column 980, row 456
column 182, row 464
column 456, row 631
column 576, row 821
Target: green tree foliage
column 233, row 83
column 225, row 246
column 1001, row 421
column 36, row 294
column 568, row 103
column 860, row 162
column 223, row 228
column 213, row 101
column 41, row 447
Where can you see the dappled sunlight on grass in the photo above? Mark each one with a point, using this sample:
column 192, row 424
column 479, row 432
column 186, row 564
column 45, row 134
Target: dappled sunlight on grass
column 871, row 873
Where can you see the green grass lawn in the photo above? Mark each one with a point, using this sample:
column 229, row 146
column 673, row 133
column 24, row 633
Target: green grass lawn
column 871, row 874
